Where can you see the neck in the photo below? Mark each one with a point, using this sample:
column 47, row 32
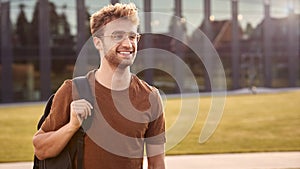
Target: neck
column 114, row 78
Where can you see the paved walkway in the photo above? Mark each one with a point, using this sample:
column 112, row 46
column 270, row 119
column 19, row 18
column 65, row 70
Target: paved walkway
column 290, row 160
column 274, row 160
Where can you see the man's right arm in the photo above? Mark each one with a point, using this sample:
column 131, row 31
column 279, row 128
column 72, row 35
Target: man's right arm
column 50, row 144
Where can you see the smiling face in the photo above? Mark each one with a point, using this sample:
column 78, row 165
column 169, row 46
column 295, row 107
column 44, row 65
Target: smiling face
column 119, row 53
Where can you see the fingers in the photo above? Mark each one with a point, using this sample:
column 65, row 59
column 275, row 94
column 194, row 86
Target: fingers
column 82, row 109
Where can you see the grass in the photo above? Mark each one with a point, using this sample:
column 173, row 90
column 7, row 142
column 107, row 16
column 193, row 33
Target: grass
column 250, row 123
column 18, row 124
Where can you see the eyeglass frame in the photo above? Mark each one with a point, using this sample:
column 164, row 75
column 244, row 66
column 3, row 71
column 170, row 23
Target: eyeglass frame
column 136, row 39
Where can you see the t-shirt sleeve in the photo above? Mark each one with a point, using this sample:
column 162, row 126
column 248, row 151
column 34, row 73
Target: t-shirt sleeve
column 60, row 109
column 155, row 133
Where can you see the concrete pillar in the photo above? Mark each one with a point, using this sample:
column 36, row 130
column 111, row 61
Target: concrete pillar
column 148, row 42
column 6, row 54
column 114, row 1
column 81, row 27
column 206, row 58
column 293, row 48
column 44, row 49
column 267, row 46
column 235, row 48
column 180, row 34
column 178, row 8
column 207, row 10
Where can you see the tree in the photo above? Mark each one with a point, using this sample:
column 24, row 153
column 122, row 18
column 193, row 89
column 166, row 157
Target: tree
column 249, row 30
column 22, row 27
column 54, row 18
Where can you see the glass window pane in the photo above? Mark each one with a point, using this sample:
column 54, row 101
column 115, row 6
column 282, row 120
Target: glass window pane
column 140, row 5
column 279, row 8
column 193, row 12
column 95, row 5
column 250, row 13
column 24, row 46
column 221, row 9
column 160, row 22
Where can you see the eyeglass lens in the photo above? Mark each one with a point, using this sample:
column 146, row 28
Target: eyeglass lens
column 120, row 35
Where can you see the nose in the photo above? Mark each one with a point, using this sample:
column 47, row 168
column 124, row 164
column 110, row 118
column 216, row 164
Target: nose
column 127, row 42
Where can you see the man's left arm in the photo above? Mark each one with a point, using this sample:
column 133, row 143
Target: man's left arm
column 156, row 156
column 155, row 136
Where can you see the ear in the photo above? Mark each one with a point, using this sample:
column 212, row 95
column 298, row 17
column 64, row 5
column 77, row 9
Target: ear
column 98, row 43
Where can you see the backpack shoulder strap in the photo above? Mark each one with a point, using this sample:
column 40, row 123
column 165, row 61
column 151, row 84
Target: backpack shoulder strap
column 46, row 111
column 83, row 88
column 84, row 91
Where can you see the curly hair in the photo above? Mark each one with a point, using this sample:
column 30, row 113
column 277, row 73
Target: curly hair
column 113, row 12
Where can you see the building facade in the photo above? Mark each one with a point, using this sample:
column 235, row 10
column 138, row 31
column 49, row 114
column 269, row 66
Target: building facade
column 39, row 50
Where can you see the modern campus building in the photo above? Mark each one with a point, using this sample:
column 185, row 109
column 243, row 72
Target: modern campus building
column 257, row 42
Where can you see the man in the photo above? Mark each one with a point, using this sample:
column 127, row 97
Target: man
column 128, row 112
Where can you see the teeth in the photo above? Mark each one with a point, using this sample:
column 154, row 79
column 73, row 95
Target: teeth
column 126, row 53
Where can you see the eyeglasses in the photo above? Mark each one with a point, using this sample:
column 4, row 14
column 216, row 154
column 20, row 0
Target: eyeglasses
column 119, row 36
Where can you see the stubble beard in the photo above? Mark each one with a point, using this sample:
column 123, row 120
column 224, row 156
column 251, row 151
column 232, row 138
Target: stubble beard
column 115, row 61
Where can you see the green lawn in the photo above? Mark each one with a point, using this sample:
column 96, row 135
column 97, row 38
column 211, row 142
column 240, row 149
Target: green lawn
column 18, row 124
column 250, row 123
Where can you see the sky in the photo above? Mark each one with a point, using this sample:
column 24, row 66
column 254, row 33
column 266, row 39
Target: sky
column 250, row 11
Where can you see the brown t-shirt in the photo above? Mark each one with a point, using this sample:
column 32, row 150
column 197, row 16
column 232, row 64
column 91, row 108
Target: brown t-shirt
column 123, row 121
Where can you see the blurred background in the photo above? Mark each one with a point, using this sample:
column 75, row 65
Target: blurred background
column 258, row 42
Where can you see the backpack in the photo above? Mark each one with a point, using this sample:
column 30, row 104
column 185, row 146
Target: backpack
column 75, row 146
